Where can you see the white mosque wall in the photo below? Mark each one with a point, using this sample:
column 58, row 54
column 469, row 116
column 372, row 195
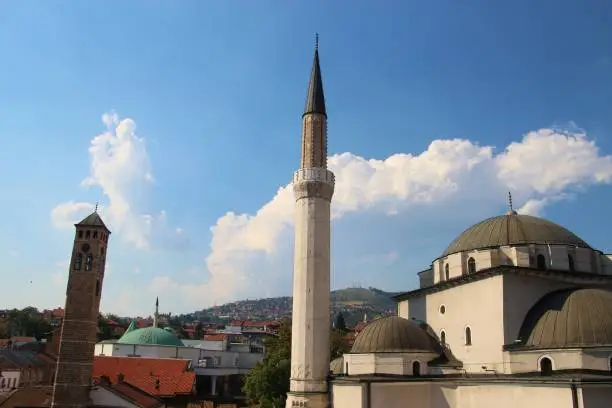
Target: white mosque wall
column 529, row 360
column 556, row 256
column 475, row 306
column 420, row 394
column 514, row 395
column 387, row 363
column 447, row 394
column 520, row 294
column 200, row 358
column 597, row 358
column 522, row 361
column 349, row 396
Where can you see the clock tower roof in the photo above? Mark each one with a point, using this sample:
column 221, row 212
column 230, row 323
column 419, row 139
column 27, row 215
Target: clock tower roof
column 92, row 220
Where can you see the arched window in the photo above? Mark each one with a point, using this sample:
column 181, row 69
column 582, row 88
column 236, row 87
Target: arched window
column 87, row 233
column 570, row 262
column 416, row 368
column 78, row 261
column 546, row 367
column 468, row 336
column 98, row 287
column 88, row 262
column 471, row 265
column 446, row 272
column 541, row 261
column 81, row 234
column 443, row 337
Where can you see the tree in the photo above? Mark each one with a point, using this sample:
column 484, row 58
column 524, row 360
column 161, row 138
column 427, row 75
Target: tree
column 338, row 344
column 27, row 322
column 267, row 384
column 197, row 332
column 105, row 330
column 340, row 324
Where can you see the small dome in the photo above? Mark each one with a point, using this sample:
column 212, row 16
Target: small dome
column 513, row 229
column 150, row 336
column 337, row 366
column 394, row 334
column 569, row 318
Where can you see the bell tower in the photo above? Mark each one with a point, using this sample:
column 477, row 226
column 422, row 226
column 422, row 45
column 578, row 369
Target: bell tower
column 79, row 327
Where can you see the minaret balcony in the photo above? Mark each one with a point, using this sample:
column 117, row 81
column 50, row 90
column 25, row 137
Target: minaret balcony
column 315, row 174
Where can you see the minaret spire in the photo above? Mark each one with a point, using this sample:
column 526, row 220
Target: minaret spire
column 315, row 100
column 313, row 188
column 156, row 315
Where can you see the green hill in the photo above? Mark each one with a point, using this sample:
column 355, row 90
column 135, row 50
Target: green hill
column 353, row 303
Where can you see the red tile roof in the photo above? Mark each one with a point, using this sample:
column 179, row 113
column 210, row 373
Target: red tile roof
column 134, row 395
column 215, row 337
column 143, row 373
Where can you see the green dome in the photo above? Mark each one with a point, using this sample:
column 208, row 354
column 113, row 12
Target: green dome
column 150, row 336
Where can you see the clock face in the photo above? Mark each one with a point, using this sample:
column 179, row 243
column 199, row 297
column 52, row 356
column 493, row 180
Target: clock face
column 85, row 247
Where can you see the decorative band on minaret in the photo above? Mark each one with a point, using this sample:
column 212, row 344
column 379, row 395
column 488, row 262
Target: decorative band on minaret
column 313, row 188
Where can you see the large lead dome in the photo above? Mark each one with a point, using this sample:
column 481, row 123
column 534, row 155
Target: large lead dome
column 513, row 229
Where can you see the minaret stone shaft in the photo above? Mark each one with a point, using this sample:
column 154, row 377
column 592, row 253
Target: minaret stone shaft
column 313, row 187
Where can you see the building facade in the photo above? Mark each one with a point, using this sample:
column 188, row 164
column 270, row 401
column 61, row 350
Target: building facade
column 517, row 311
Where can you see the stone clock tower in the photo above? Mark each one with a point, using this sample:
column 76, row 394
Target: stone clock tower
column 313, row 188
column 79, row 328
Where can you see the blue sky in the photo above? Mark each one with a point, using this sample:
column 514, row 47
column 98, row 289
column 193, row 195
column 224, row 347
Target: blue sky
column 202, row 104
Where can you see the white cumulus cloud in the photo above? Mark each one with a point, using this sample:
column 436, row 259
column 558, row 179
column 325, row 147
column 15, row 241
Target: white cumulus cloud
column 120, row 167
column 541, row 168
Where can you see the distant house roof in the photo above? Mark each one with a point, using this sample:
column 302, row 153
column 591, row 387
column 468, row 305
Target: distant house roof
column 41, row 397
column 16, row 340
column 144, row 373
column 134, row 395
column 29, row 397
column 215, row 337
column 21, row 359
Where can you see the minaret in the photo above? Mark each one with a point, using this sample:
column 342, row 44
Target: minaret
column 313, row 188
column 79, row 326
column 156, row 315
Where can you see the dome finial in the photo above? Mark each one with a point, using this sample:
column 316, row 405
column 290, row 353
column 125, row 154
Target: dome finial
column 96, row 209
column 316, row 41
column 510, row 208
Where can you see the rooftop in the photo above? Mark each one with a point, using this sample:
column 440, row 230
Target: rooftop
column 513, row 229
column 161, row 377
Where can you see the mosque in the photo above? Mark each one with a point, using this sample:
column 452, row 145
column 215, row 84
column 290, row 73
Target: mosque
column 517, row 311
